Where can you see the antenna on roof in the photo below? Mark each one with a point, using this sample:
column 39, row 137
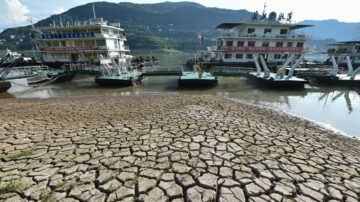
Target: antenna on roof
column 263, row 16
column 94, row 12
column 31, row 22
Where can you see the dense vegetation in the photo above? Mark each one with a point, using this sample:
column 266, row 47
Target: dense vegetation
column 170, row 26
column 148, row 26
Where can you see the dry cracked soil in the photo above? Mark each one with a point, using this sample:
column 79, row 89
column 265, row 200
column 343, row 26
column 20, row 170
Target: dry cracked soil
column 169, row 148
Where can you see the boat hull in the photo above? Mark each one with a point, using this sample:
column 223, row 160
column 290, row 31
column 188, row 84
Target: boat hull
column 4, row 86
column 271, row 83
column 197, row 82
column 335, row 81
column 117, row 82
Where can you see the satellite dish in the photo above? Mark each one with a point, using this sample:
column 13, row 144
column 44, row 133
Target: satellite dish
column 272, row 16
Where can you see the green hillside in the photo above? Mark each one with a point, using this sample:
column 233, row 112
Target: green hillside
column 165, row 25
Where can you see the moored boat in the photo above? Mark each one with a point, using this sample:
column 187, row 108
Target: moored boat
column 126, row 79
column 197, row 79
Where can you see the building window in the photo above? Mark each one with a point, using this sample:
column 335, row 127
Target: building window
column 267, row 31
column 279, row 44
column 229, row 43
column 283, row 31
column 251, row 30
column 239, row 56
column 277, row 56
column 251, row 43
column 289, row 44
column 240, row 43
column 249, row 56
column 265, row 44
column 300, row 44
column 228, row 56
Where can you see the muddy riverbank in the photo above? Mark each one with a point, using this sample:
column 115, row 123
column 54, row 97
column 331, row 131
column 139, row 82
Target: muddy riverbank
column 169, row 148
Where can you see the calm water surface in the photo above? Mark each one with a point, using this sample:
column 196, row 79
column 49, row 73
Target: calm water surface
column 338, row 108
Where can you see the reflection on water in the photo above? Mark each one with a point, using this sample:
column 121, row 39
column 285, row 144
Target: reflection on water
column 337, row 107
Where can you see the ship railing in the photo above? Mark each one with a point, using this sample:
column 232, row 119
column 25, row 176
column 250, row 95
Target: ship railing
column 235, row 70
column 266, row 36
column 77, row 66
column 155, row 68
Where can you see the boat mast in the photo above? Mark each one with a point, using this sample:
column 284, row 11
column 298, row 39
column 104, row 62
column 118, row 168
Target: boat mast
column 94, row 11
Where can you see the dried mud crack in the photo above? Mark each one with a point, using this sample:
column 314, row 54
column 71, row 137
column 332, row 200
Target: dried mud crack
column 169, row 148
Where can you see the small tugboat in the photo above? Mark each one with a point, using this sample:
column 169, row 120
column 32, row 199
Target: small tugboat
column 197, row 78
column 278, row 80
column 118, row 75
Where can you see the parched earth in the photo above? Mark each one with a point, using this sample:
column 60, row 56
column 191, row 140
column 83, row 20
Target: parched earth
column 169, row 148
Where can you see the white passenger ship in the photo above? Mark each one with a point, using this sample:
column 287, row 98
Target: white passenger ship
column 81, row 42
column 276, row 40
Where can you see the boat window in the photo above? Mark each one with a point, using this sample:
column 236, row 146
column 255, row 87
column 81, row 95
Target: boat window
column 300, row 44
column 285, row 56
column 89, row 43
column 251, row 30
column 55, row 43
column 63, row 43
column 265, row 44
column 283, row 31
column 267, row 31
column 251, row 43
column 229, row 43
column 228, row 56
column 48, row 44
column 78, row 43
column 100, row 43
column 289, row 44
column 105, row 31
column 240, row 43
column 239, row 56
column 277, row 56
column 249, row 56
column 279, row 44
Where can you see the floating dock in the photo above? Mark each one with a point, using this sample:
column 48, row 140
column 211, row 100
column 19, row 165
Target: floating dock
column 126, row 79
column 196, row 79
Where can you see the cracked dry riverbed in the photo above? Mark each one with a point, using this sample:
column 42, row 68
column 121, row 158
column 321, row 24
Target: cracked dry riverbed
column 169, row 148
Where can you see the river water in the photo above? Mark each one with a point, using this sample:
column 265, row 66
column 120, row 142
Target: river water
column 337, row 108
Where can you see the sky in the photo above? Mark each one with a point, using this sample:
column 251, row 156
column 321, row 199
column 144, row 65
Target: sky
column 17, row 12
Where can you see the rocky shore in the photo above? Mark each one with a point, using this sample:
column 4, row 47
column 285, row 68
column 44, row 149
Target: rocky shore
column 169, row 148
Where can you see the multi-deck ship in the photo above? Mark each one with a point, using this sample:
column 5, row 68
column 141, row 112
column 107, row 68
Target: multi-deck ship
column 275, row 40
column 81, row 42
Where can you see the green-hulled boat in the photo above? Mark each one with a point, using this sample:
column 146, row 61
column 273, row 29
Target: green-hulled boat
column 125, row 79
column 196, row 79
